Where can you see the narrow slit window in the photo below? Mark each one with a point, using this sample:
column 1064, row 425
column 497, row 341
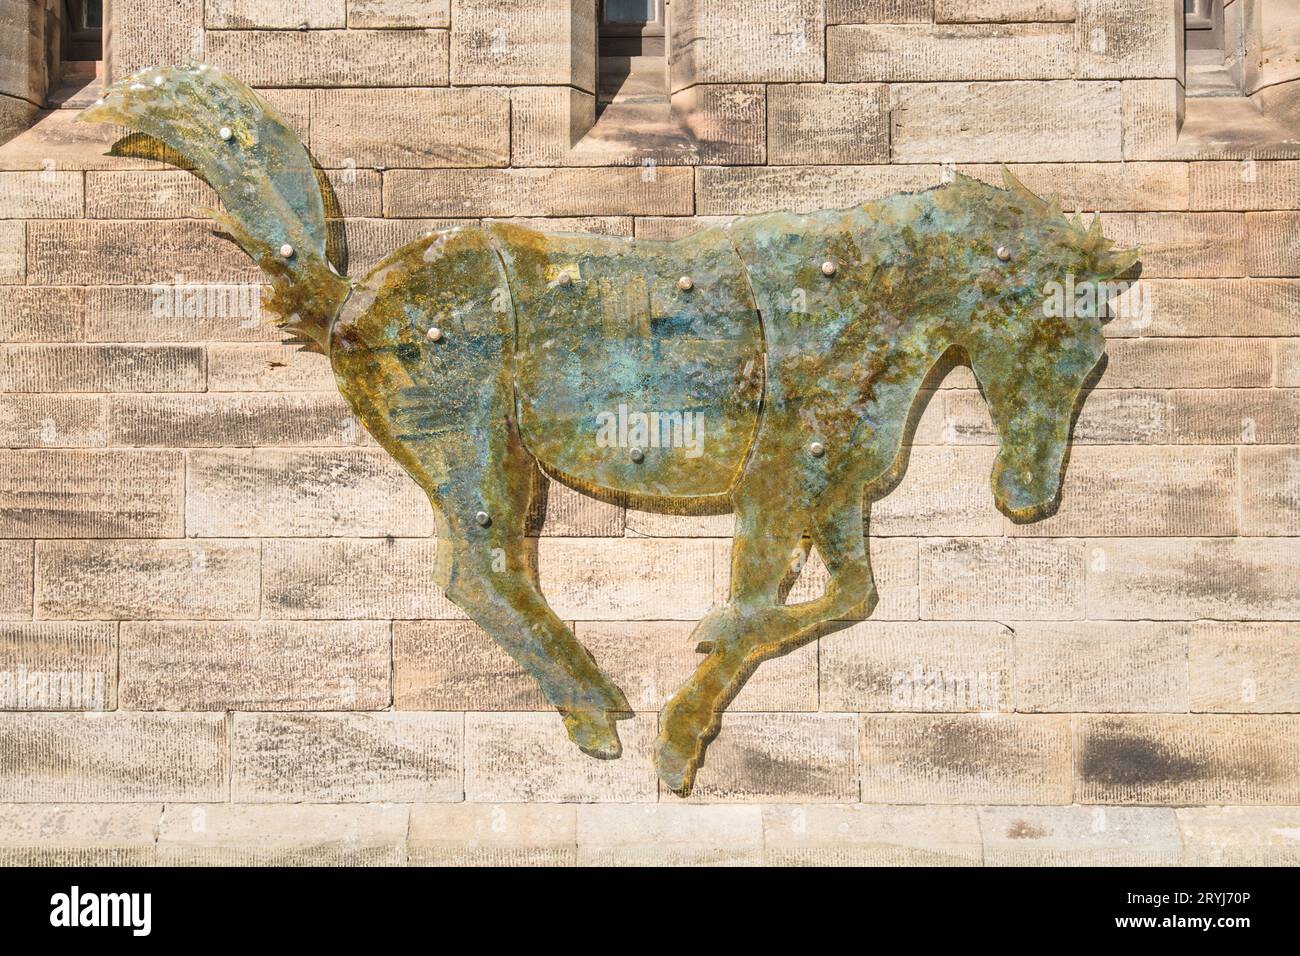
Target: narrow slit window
column 1209, row 71
column 631, row 42
column 632, row 28
column 76, row 53
column 1203, row 21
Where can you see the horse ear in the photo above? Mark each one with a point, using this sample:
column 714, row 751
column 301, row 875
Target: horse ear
column 1095, row 235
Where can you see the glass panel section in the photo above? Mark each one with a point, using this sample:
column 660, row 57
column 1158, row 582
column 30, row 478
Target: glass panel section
column 631, row 11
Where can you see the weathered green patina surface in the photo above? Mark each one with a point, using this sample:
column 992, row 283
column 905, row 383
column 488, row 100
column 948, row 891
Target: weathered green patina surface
column 607, row 334
column 775, row 361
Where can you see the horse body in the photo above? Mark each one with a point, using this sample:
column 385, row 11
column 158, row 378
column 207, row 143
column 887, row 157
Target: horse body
column 796, row 344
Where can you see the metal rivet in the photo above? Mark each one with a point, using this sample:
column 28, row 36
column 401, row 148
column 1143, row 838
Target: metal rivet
column 1004, row 253
column 817, row 449
column 686, row 283
column 566, row 279
column 286, row 251
column 636, row 454
column 435, row 334
column 225, row 132
column 483, row 518
column 830, row 267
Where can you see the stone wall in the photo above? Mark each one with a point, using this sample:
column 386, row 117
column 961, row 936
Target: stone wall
column 230, row 584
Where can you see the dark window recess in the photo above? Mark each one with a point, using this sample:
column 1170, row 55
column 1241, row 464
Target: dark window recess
column 1210, row 71
column 1203, row 23
column 76, row 52
column 632, row 61
column 634, row 113
column 85, row 36
column 632, row 28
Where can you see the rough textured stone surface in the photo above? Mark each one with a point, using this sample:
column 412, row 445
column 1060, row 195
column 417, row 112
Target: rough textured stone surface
column 1137, row 39
column 494, row 834
column 91, row 494
column 275, row 14
column 322, row 493
column 58, row 665
column 1002, row 759
column 392, row 14
column 1080, row 836
column 1243, row 668
column 1003, row 11
column 880, row 53
column 1002, row 122
column 151, row 32
column 120, row 757
column 537, row 192
column 752, row 760
column 1240, row 836
column 968, row 578
column 16, row 579
column 669, row 835
column 410, row 127
column 1190, row 578
column 197, row 834
column 316, row 58
column 513, row 758
column 865, row 835
column 84, row 834
column 923, row 666
column 523, row 41
column 744, row 41
column 227, row 665
column 821, row 123
column 346, row 758
column 1188, row 759
column 168, row 579
column 1102, row 666
column 1109, row 490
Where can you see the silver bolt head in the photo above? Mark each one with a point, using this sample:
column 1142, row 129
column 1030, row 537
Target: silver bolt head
column 686, row 283
column 566, row 279
column 1004, row 253
column 483, row 518
column 636, row 454
column 435, row 334
column 817, row 449
column 225, row 133
column 830, row 267
column 286, row 251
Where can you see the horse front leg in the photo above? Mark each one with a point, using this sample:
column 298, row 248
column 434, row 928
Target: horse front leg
column 754, row 626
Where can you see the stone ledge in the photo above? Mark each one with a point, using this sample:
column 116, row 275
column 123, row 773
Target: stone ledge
column 565, row 834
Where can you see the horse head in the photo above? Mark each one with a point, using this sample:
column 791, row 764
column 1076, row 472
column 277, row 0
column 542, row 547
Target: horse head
column 1041, row 284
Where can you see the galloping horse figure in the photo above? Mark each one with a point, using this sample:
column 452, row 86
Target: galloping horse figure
column 771, row 363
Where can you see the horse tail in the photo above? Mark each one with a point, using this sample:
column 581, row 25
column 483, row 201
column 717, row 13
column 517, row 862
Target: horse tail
column 265, row 178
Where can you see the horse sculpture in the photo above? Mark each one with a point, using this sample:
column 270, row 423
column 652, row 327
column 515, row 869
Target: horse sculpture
column 772, row 363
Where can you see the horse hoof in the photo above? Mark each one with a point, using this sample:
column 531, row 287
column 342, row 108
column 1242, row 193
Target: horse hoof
column 595, row 733
column 675, row 769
